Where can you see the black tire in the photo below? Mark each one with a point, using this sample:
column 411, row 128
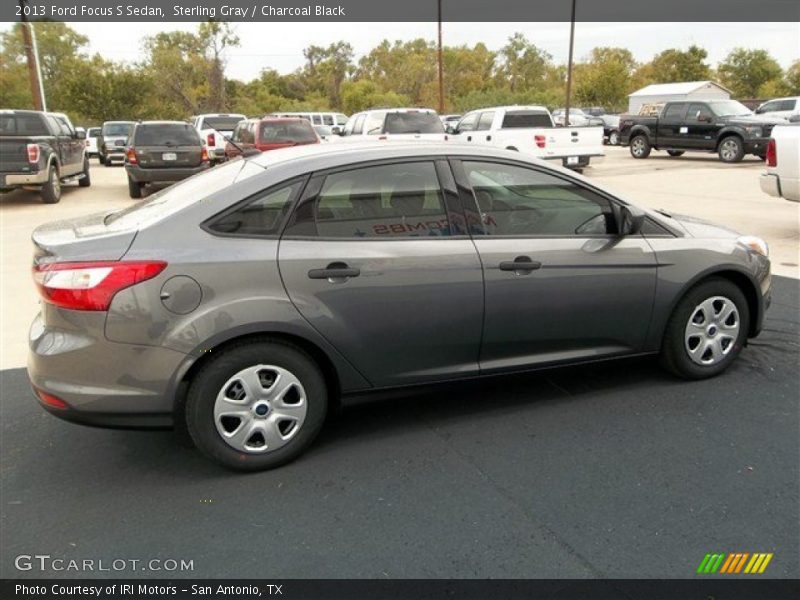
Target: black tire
column 211, row 379
column 51, row 191
column 674, row 349
column 134, row 189
column 640, row 146
column 731, row 149
column 106, row 161
column 613, row 138
column 675, row 153
column 86, row 180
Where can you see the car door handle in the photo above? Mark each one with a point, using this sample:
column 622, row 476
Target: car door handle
column 488, row 138
column 469, row 138
column 521, row 263
column 334, row 271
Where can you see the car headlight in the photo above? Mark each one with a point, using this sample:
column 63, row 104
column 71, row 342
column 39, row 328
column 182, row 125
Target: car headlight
column 756, row 244
column 754, row 131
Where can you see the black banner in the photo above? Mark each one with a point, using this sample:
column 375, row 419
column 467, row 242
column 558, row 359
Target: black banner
column 404, row 11
column 733, row 588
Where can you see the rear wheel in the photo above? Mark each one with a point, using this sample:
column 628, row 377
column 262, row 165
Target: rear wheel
column 640, row 146
column 675, row 153
column 257, row 405
column 731, row 149
column 51, row 191
column 706, row 331
column 134, row 189
column 86, row 180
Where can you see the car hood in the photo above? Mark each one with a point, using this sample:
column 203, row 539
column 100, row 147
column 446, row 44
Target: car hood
column 700, row 228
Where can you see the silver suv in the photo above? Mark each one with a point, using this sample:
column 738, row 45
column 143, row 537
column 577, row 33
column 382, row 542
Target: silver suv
column 247, row 300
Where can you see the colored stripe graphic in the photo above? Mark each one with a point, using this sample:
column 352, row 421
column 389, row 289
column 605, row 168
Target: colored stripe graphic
column 742, row 561
column 734, row 562
column 727, row 565
column 765, row 563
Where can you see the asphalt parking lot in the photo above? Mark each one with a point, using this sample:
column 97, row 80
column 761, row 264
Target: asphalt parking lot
column 612, row 470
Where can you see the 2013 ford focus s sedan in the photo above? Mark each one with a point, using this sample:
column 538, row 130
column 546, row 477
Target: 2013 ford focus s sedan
column 247, row 300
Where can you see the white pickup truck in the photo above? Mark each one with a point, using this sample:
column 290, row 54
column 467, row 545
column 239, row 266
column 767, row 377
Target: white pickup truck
column 530, row 129
column 782, row 178
column 213, row 130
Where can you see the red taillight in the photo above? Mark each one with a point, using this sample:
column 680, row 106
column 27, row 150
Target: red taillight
column 203, row 154
column 50, row 400
column 86, row 143
column 131, row 157
column 210, row 140
column 91, row 285
column 540, row 141
column 772, row 153
column 33, row 153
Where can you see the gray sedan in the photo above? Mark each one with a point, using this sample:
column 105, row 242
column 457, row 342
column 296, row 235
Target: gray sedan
column 248, row 300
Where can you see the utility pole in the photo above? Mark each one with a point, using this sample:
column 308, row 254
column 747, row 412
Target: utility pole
column 32, row 55
column 569, row 65
column 441, row 71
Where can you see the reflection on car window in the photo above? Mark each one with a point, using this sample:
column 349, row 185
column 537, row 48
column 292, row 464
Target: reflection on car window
column 387, row 201
column 262, row 216
column 518, row 201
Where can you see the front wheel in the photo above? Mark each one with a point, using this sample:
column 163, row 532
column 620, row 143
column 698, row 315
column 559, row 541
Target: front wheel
column 706, row 331
column 640, row 147
column 731, row 149
column 613, row 138
column 257, row 405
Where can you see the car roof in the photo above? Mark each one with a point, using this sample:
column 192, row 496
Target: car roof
column 163, row 123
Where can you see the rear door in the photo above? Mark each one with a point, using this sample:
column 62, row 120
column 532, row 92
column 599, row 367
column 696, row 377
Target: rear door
column 671, row 130
column 377, row 260
column 560, row 284
column 168, row 145
column 71, row 147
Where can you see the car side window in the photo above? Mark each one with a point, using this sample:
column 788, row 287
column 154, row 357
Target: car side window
column 485, row 121
column 674, row 112
column 788, row 104
column 373, row 125
column 327, row 119
column 401, row 200
column 518, row 201
column 358, row 125
column 469, row 122
column 260, row 216
column 697, row 112
column 65, row 128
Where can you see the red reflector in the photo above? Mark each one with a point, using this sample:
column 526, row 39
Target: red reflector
column 91, row 285
column 204, row 154
column 131, row 157
column 540, row 141
column 772, row 153
column 50, row 400
column 210, row 140
column 33, row 153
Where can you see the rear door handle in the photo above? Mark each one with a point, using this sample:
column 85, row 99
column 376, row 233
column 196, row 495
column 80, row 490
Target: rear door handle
column 488, row 138
column 520, row 264
column 334, row 271
column 469, row 138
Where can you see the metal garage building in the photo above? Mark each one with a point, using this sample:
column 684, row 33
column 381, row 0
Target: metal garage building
column 671, row 92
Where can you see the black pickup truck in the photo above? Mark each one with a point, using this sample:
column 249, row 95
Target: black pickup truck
column 723, row 126
column 41, row 150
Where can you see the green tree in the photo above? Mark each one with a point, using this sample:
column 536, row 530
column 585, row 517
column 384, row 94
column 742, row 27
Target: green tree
column 746, row 72
column 674, row 65
column 605, row 79
column 522, row 65
column 792, row 79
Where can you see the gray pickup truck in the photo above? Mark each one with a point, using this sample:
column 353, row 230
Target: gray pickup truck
column 41, row 150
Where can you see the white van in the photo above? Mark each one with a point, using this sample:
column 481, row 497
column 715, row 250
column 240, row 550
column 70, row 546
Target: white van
column 330, row 119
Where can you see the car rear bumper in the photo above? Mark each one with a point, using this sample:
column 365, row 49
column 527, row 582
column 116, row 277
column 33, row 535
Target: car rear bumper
column 101, row 382
column 114, row 153
column 34, row 178
column 164, row 175
column 772, row 184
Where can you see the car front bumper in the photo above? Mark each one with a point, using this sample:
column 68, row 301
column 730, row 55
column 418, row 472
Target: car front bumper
column 163, row 175
column 757, row 146
column 103, row 383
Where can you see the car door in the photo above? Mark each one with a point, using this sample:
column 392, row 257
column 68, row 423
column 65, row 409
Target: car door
column 671, row 128
column 63, row 146
column 466, row 127
column 701, row 127
column 560, row 284
column 377, row 260
column 483, row 131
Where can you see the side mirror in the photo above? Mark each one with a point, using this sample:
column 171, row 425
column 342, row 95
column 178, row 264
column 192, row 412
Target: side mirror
column 631, row 220
column 337, row 130
column 450, row 128
column 80, row 133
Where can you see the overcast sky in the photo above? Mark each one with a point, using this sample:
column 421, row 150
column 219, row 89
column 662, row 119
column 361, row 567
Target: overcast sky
column 280, row 46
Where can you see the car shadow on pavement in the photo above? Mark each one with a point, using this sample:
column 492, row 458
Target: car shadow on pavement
column 29, row 197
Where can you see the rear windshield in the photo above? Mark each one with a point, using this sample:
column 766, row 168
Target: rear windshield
column 516, row 119
column 17, row 124
column 93, row 132
column 413, row 122
column 167, row 134
column 287, row 132
column 117, row 128
column 222, row 124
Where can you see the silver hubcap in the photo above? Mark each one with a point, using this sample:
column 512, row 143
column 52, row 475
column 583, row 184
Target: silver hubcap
column 638, row 146
column 712, row 330
column 729, row 149
column 56, row 183
column 613, row 139
column 260, row 409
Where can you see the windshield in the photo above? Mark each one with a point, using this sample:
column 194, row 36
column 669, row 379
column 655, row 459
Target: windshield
column 117, row 128
column 287, row 132
column 93, row 132
column 730, row 108
column 180, row 195
column 166, row 134
column 413, row 122
column 222, row 124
